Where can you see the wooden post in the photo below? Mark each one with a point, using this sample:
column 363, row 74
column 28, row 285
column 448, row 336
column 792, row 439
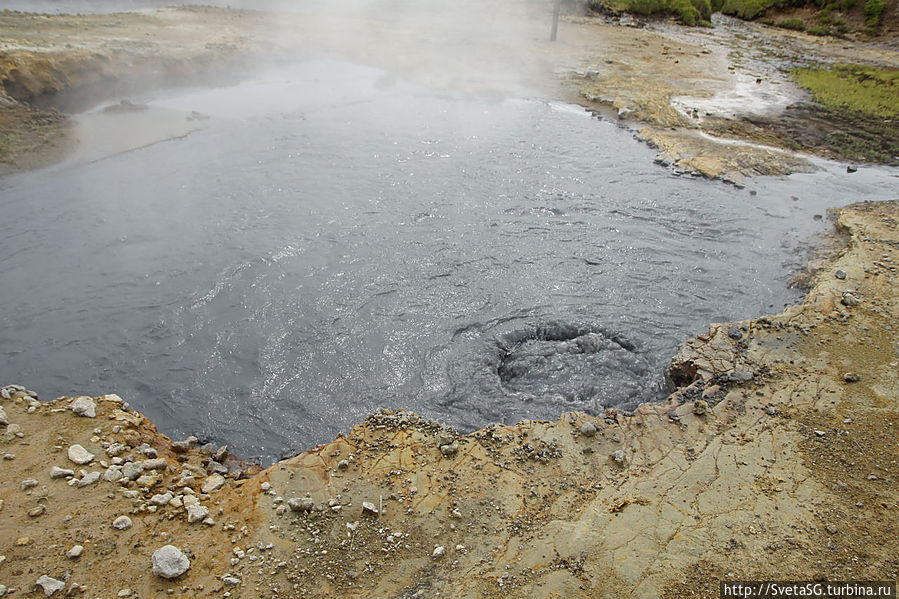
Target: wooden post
column 557, row 7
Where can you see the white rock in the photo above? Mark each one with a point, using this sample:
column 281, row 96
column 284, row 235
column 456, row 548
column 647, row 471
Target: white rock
column 122, row 523
column 369, row 508
column 4, row 419
column 80, row 455
column 438, row 552
column 111, row 397
column 57, row 472
column 265, row 486
column 89, row 479
column 113, row 474
column 155, row 464
column 213, row 483
column 115, row 449
column 75, row 552
column 169, row 562
column 232, row 580
column 301, row 504
column 196, row 513
column 132, row 470
column 28, row 483
column 50, row 585
column 162, row 499
column 84, row 406
column 190, row 500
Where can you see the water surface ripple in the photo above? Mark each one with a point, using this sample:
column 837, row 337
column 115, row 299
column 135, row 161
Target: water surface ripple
column 331, row 245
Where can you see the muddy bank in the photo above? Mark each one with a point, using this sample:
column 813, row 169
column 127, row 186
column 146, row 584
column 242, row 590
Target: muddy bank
column 775, row 458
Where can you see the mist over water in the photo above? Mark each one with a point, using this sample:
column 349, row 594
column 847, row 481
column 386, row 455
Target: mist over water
column 339, row 239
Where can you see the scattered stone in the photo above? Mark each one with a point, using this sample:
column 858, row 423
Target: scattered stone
column 449, row 450
column 132, row 470
column 88, row 479
column 196, row 513
column 301, row 504
column 840, row 274
column 851, row 169
column 619, row 458
column 771, row 410
column 113, row 474
column 28, row 483
column 57, row 472
column 84, row 406
column 161, row 499
column 831, row 528
column 148, row 451
column 221, row 454
column 439, row 551
column 115, row 449
column 849, row 300
column 169, row 562
column 343, row 465
column 147, row 481
column 184, row 446
column 122, row 523
column 125, row 593
column 213, row 483
column 80, row 455
column 734, row 332
column 23, row 541
column 9, row 456
column 588, row 429
column 739, row 376
column 851, row 377
column 155, row 464
column 37, row 511
column 231, row 580
column 75, row 552
column 4, row 419
column 265, row 486
column 50, row 585
column 370, row 509
column 700, row 407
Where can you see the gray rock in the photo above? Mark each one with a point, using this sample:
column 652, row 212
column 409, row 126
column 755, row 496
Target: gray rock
column 449, row 450
column 588, row 429
column 113, row 474
column 122, row 523
column 28, row 483
column 4, row 419
column 75, row 552
column 184, row 446
column 196, row 513
column 216, row 468
column 169, row 562
column 132, row 470
column 370, row 509
column 88, row 479
column 220, row 455
column 301, row 504
column 84, row 406
column 851, row 377
column 849, row 300
column 50, row 585
column 57, row 472
column 148, row 451
column 739, row 376
column 840, row 274
column 734, row 332
column 116, row 449
column 80, row 455
column 619, row 458
column 161, row 499
column 155, row 464
column 213, row 483
column 231, row 580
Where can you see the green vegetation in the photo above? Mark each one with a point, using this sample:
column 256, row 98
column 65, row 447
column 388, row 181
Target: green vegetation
column 746, row 9
column 874, row 12
column 688, row 12
column 795, row 24
column 818, row 30
column 867, row 90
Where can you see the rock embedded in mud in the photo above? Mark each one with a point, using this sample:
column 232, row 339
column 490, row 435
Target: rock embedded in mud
column 4, row 419
column 57, row 472
column 213, row 483
column 619, row 458
column 700, row 407
column 588, row 429
column 735, row 333
column 84, row 406
column 184, row 446
column 50, row 585
column 849, row 300
column 368, row 508
column 851, row 377
column 169, row 562
column 840, row 274
column 28, row 483
column 301, row 504
column 439, row 551
column 196, row 513
column 80, row 455
column 75, row 552
column 88, row 479
column 122, row 523
column 449, row 450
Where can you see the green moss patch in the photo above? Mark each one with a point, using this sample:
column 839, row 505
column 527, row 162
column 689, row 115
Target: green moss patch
column 688, row 12
column 867, row 90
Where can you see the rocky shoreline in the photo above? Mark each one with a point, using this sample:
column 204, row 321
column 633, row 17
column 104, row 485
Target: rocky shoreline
column 775, row 459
